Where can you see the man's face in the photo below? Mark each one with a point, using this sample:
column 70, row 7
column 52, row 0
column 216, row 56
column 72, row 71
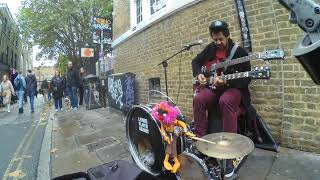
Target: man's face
column 69, row 65
column 220, row 40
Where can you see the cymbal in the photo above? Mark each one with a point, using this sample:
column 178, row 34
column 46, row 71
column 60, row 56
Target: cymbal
column 228, row 145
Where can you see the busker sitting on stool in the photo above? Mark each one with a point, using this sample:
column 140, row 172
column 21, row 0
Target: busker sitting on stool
column 227, row 95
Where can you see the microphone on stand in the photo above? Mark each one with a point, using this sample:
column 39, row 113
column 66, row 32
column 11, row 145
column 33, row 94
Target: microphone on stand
column 188, row 46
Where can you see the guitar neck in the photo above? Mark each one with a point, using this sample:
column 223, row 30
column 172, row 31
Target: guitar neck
column 234, row 61
column 226, row 77
column 236, row 76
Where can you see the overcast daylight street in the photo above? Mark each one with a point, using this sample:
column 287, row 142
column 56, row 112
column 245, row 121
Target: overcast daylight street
column 159, row 90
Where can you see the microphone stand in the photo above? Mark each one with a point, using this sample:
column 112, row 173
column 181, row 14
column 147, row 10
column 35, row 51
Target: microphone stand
column 165, row 64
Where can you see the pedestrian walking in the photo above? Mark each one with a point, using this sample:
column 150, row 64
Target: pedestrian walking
column 44, row 88
column 31, row 88
column 1, row 98
column 57, row 86
column 72, row 84
column 81, row 85
column 20, row 83
column 7, row 91
column 49, row 91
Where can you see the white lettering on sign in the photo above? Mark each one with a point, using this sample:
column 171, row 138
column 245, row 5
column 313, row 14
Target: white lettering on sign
column 143, row 125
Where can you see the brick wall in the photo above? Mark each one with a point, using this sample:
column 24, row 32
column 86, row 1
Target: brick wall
column 289, row 102
column 121, row 9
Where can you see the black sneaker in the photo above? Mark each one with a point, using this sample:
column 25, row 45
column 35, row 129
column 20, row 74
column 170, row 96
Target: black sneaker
column 229, row 168
column 20, row 110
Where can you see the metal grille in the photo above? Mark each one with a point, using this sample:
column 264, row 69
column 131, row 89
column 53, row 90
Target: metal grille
column 102, row 143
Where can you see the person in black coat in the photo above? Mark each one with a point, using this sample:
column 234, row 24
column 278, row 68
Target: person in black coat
column 81, row 85
column 57, row 86
column 72, row 84
column 226, row 96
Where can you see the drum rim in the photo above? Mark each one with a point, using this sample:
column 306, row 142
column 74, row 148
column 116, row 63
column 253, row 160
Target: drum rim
column 200, row 161
column 132, row 149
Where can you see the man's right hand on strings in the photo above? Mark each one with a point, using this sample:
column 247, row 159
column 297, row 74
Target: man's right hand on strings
column 219, row 82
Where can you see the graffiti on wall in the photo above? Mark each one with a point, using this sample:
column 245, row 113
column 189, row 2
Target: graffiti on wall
column 95, row 93
column 121, row 89
column 92, row 94
column 115, row 90
column 129, row 81
column 244, row 27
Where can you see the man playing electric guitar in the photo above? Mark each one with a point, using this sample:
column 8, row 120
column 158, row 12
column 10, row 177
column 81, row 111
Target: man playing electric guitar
column 227, row 95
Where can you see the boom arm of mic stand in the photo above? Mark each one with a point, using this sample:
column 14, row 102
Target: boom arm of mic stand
column 164, row 64
column 166, row 60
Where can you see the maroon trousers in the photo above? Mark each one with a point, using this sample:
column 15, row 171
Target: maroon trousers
column 227, row 101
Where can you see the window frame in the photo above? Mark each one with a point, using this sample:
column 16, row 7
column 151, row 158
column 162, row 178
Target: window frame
column 171, row 8
column 139, row 12
column 157, row 10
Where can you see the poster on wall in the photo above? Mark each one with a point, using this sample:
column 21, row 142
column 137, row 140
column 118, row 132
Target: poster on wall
column 92, row 91
column 87, row 52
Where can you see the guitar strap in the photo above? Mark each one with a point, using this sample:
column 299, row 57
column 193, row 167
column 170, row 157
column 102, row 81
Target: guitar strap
column 233, row 51
column 229, row 58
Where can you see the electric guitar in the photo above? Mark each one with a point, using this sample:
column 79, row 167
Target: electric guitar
column 262, row 72
column 277, row 54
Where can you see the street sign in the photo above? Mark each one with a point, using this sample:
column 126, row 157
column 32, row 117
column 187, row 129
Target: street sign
column 101, row 24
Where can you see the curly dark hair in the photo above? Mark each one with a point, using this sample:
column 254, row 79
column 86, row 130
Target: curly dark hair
column 219, row 26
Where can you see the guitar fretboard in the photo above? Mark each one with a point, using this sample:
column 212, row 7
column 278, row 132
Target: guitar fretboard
column 236, row 75
column 234, row 61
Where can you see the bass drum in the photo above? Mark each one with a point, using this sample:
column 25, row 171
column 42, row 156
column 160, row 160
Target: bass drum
column 192, row 168
column 145, row 141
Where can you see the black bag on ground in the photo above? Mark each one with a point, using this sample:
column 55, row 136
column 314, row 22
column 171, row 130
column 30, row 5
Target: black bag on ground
column 118, row 170
column 115, row 170
column 74, row 176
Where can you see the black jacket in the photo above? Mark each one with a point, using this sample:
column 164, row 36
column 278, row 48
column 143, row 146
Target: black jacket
column 209, row 54
column 31, row 84
column 254, row 122
column 73, row 78
column 57, row 86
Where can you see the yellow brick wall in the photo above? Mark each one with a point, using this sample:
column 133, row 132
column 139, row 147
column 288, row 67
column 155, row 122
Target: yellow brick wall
column 121, row 11
column 289, row 102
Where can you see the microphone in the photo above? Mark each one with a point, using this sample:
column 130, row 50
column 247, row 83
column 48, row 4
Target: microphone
column 188, row 46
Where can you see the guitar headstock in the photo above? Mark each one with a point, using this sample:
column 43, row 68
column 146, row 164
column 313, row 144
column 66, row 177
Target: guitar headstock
column 272, row 55
column 262, row 72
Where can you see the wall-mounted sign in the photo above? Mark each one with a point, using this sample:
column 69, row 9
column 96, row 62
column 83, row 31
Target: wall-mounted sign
column 87, row 52
column 102, row 24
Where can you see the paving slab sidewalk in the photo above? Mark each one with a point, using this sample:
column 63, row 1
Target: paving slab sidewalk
column 86, row 138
